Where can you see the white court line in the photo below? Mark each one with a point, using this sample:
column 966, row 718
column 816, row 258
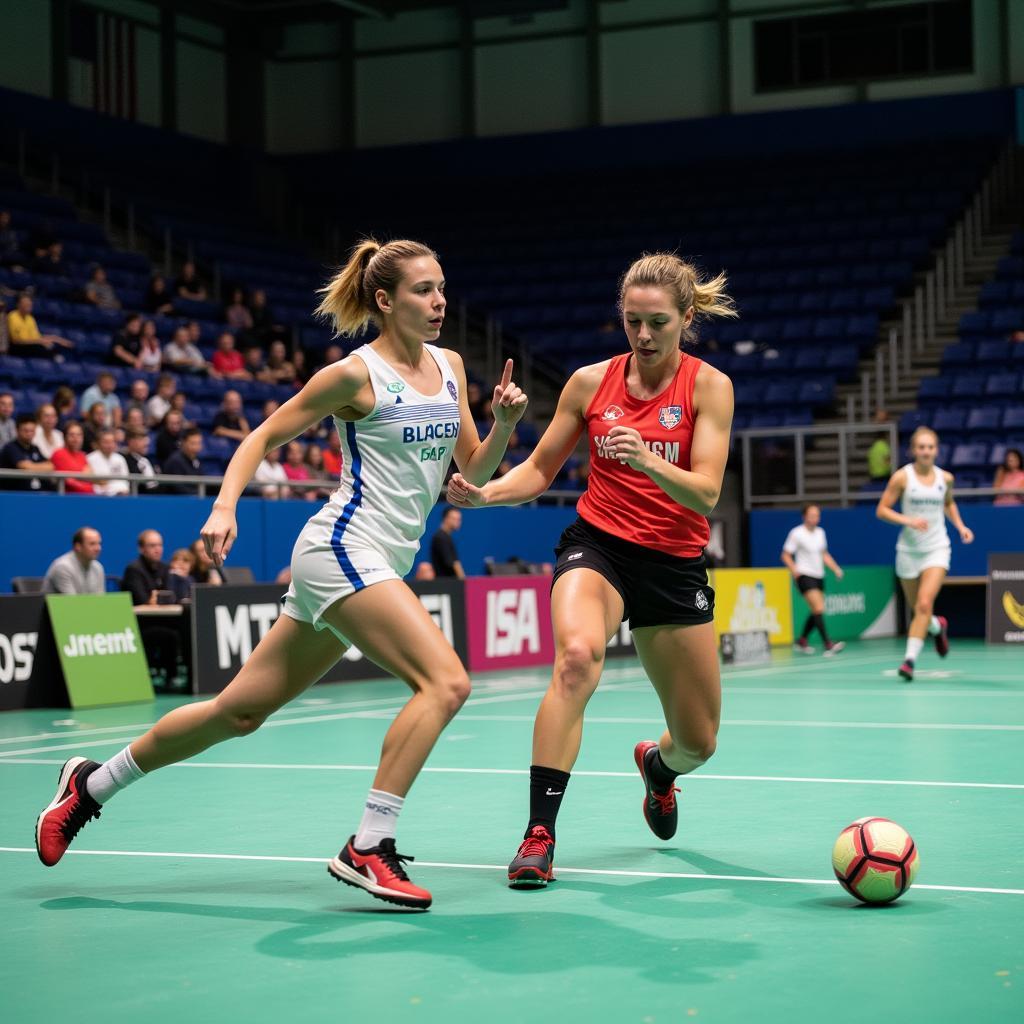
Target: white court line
column 700, row 777
column 689, row 875
column 769, row 724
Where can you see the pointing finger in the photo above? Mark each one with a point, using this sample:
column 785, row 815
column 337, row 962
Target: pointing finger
column 506, row 376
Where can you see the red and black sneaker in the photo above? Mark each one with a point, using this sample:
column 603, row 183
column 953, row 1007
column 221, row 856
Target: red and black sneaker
column 660, row 810
column 67, row 812
column 379, row 871
column 534, row 863
column 942, row 637
column 906, row 671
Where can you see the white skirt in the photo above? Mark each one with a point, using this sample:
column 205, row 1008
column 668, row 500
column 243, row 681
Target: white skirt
column 910, row 564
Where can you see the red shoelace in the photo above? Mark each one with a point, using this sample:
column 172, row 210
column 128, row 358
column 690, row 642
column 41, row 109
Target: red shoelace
column 536, row 843
column 666, row 801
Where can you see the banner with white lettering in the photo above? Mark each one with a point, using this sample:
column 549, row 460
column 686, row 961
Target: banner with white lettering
column 508, row 622
column 229, row 621
column 1005, row 598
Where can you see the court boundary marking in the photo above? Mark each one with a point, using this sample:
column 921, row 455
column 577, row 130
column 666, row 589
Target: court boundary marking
column 687, row 875
column 583, row 773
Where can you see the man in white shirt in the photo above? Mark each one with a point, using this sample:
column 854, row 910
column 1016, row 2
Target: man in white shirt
column 78, row 571
column 805, row 554
column 108, row 464
column 182, row 355
column 160, row 404
column 270, row 472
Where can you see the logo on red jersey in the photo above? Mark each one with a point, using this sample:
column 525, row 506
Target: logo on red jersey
column 670, row 416
column 613, row 412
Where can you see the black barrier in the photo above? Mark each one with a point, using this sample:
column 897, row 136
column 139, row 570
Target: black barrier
column 30, row 674
column 1006, row 598
column 229, row 621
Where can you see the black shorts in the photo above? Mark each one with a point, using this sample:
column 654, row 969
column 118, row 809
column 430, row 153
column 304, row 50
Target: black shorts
column 805, row 583
column 657, row 589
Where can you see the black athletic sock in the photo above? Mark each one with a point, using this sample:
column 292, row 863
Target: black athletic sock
column 547, row 786
column 658, row 772
column 819, row 621
column 808, row 626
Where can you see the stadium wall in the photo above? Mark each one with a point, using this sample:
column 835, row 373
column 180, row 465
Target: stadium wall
column 266, row 531
column 857, row 537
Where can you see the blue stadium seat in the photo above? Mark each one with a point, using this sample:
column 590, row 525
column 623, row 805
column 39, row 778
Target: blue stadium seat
column 985, row 419
column 780, row 394
column 996, row 293
column 961, row 354
column 1013, row 418
column 973, row 324
column 967, row 456
column 949, row 420
column 1003, row 385
column 933, row 389
column 967, row 386
column 914, row 418
column 1010, row 319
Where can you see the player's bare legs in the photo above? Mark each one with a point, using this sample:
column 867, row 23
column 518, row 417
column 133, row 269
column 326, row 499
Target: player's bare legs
column 920, row 595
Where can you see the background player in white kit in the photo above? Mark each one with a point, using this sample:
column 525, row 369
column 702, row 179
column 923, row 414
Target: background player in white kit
column 806, row 555
column 401, row 409
column 923, row 549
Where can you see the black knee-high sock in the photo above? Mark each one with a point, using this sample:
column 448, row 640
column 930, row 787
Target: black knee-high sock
column 658, row 772
column 819, row 622
column 808, row 626
column 547, row 786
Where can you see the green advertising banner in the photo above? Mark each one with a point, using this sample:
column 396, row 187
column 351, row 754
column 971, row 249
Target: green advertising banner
column 859, row 606
column 100, row 649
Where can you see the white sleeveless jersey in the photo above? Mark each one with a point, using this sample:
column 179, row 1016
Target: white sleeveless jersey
column 394, row 462
column 921, row 501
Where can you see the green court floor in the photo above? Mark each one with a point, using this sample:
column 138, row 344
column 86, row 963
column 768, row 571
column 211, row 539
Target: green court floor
column 202, row 893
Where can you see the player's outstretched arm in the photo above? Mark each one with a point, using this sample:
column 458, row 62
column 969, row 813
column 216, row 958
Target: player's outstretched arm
column 330, row 390
column 533, row 477
column 479, row 459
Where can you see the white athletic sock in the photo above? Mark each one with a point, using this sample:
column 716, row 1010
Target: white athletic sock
column 914, row 645
column 934, row 627
column 112, row 776
column 379, row 819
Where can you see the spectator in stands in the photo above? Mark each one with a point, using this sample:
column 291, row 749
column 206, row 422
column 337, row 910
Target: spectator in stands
column 127, row 343
column 181, row 355
column 237, row 315
column 79, row 570
column 104, row 391
column 1010, row 477
column 475, row 397
column 295, row 468
column 230, row 421
column 270, row 472
column 185, row 461
column 21, row 453
column 95, row 421
column 279, row 369
column 66, row 404
column 205, row 571
column 51, row 261
column 23, row 334
column 100, row 292
column 147, row 575
column 160, row 404
column 180, row 577
column 254, row 364
column 332, row 455
column 331, row 355
column 189, row 285
column 264, row 327
column 72, row 459
column 315, row 464
column 158, row 299
column 134, row 419
column 47, row 437
column 10, row 249
column 108, row 465
column 302, row 370
column 269, row 407
column 40, row 238
column 7, row 430
column 169, row 435
column 136, row 455
column 880, row 453
column 179, row 403
column 443, row 556
column 227, row 362
column 138, row 396
column 151, row 356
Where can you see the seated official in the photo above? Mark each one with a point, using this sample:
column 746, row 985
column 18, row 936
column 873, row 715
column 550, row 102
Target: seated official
column 79, row 571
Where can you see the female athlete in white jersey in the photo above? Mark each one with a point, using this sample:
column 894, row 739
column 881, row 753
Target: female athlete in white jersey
column 923, row 549
column 400, row 407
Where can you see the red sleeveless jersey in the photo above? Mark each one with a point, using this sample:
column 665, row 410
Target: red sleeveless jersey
column 623, row 501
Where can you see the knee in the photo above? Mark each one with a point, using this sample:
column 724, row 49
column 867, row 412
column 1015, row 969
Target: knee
column 238, row 722
column 452, row 692
column 578, row 667
column 699, row 747
column 922, row 606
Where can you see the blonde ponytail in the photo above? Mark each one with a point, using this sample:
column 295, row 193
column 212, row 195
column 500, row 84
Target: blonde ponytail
column 350, row 299
column 683, row 282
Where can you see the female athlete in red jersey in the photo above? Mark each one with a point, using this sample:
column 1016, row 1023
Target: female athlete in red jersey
column 658, row 420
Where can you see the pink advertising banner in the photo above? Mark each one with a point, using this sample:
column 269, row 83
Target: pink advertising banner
column 508, row 622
